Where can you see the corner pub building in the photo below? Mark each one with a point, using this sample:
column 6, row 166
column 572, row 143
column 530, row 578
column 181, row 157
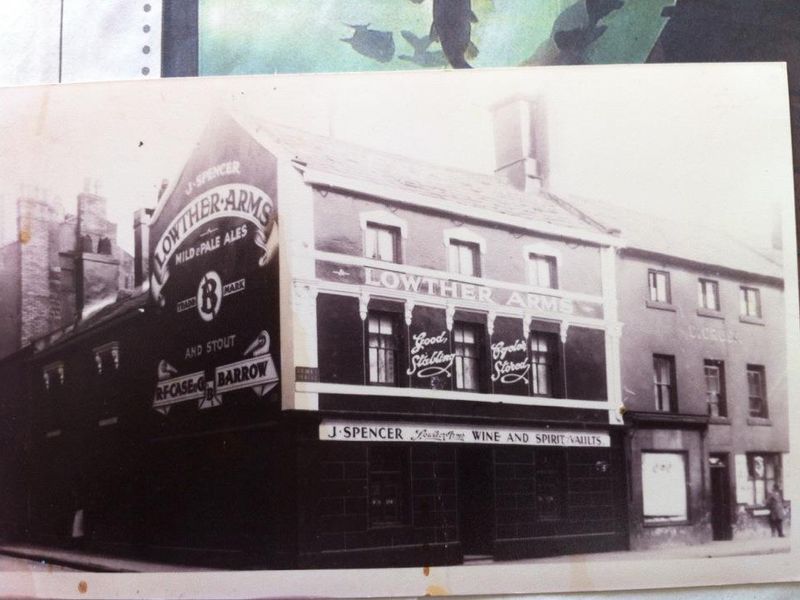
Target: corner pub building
column 344, row 358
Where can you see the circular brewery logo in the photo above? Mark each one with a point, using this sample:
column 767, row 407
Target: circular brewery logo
column 209, row 296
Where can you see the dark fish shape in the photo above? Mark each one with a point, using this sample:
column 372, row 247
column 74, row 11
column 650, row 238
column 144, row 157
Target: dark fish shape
column 598, row 9
column 452, row 27
column 374, row 44
column 421, row 55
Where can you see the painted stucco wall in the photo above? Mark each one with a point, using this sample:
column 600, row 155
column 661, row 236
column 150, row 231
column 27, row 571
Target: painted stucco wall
column 338, row 229
column 692, row 338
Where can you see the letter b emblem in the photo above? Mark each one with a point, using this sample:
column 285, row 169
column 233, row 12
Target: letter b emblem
column 209, row 296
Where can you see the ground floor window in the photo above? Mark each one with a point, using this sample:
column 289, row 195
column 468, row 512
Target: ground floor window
column 550, row 484
column 664, row 489
column 388, row 486
column 763, row 472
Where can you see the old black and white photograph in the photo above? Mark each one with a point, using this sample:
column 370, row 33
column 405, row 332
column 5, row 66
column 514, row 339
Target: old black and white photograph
column 457, row 333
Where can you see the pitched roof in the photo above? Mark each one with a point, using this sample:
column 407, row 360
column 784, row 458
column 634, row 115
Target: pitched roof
column 120, row 306
column 681, row 239
column 450, row 185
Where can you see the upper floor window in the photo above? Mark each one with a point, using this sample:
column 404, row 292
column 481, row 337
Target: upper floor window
column 708, row 294
column 664, row 383
column 756, row 392
column 750, row 302
column 658, row 282
column 464, row 258
column 466, row 339
column 714, row 371
column 542, row 270
column 53, row 375
column 382, row 348
column 106, row 358
column 382, row 242
column 543, row 349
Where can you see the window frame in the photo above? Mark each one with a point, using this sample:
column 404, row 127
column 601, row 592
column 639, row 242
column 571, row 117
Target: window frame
column 673, row 384
column 777, row 466
column 722, row 400
column 552, row 263
column 402, row 484
column 661, row 522
column 397, row 349
column 393, row 231
column 550, row 465
column 702, row 282
column 478, row 345
column 744, row 304
column 552, row 353
column 667, row 287
column 762, row 374
column 474, row 248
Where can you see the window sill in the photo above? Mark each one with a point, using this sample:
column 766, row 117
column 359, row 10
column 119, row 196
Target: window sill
column 751, row 320
column 758, row 421
column 660, row 305
column 719, row 421
column 682, row 523
column 710, row 313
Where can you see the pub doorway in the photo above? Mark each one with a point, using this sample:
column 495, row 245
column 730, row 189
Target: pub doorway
column 476, row 521
column 720, row 497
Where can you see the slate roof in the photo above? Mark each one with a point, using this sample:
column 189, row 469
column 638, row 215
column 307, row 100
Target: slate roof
column 681, row 239
column 461, row 187
column 118, row 307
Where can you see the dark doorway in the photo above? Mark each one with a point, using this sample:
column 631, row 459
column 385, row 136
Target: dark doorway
column 720, row 497
column 476, row 500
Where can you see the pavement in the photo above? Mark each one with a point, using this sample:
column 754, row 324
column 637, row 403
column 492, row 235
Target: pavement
column 39, row 558
column 28, row 557
column 710, row 550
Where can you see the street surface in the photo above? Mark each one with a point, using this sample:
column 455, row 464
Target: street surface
column 10, row 563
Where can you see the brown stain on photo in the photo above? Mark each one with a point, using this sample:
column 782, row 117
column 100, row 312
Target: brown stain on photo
column 436, row 590
column 24, row 236
column 426, row 570
column 82, row 587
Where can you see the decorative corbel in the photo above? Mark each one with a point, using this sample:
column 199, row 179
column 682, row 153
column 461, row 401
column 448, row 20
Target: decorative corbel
column 409, row 311
column 98, row 360
column 46, row 377
column 450, row 313
column 526, row 325
column 61, row 374
column 563, row 330
column 363, row 305
column 115, row 357
column 490, row 322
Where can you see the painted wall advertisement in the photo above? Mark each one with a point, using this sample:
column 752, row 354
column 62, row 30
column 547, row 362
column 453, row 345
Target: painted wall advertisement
column 213, row 274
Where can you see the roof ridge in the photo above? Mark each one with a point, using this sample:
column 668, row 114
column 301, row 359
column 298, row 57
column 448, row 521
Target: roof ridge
column 388, row 153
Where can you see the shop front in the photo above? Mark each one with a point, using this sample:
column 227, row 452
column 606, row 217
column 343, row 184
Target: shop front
column 419, row 492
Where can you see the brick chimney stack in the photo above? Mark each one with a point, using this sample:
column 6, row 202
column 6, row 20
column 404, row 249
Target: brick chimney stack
column 519, row 143
column 40, row 307
column 97, row 266
column 141, row 231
